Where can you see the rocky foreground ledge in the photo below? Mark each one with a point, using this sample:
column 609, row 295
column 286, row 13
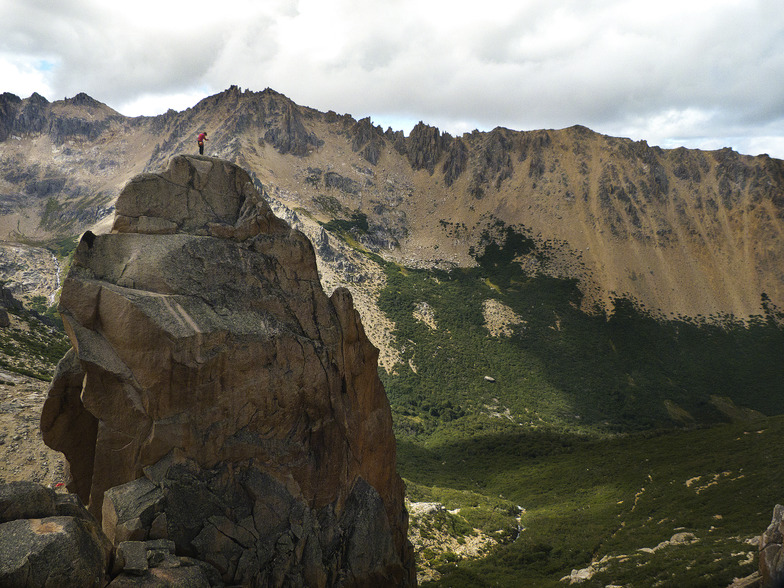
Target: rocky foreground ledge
column 216, row 398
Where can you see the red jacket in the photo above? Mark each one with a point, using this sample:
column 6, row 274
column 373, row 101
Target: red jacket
column 202, row 137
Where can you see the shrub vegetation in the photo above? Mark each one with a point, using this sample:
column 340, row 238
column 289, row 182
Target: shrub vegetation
column 591, row 422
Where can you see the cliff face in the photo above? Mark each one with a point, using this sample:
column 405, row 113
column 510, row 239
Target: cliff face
column 80, row 116
column 201, row 335
column 681, row 231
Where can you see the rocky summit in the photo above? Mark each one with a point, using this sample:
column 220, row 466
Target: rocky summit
column 216, row 397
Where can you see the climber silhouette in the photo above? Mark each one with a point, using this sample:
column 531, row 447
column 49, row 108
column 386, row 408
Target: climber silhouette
column 200, row 140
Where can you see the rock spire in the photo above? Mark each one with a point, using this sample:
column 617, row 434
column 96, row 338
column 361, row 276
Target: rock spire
column 209, row 366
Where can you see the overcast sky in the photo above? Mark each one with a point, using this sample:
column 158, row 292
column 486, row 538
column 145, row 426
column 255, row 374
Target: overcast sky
column 698, row 73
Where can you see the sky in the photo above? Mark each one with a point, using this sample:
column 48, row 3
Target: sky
column 702, row 74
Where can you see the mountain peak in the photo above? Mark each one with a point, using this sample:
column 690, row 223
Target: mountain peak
column 82, row 99
column 36, row 98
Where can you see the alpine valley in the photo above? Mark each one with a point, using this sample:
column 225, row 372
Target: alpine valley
column 581, row 336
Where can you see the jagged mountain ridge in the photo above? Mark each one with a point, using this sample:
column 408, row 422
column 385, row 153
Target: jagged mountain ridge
column 686, row 232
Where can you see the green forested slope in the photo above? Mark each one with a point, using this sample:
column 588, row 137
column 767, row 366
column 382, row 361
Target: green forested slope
column 564, row 368
column 593, row 424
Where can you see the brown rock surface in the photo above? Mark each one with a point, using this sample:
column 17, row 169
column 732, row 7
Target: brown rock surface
column 200, row 325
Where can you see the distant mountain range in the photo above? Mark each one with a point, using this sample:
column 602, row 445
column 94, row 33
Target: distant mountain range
column 601, row 294
column 682, row 232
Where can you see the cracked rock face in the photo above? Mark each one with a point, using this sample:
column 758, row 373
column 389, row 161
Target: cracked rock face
column 200, row 329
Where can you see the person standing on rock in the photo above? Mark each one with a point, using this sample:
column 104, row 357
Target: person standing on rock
column 200, row 140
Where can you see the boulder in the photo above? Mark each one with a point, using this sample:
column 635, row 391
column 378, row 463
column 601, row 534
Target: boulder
column 26, row 500
column 49, row 540
column 130, row 509
column 154, row 564
column 206, row 355
column 131, row 557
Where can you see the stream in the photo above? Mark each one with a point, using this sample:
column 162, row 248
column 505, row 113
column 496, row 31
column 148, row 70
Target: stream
column 56, row 279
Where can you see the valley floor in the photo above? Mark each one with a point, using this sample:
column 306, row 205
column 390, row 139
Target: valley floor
column 676, row 508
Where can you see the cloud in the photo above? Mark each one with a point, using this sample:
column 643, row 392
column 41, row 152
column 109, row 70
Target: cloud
column 694, row 71
column 144, row 104
column 25, row 74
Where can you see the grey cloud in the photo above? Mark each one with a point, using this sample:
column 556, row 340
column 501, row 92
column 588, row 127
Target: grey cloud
column 702, row 71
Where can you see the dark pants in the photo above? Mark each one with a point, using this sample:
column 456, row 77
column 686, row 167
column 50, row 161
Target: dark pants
column 201, row 148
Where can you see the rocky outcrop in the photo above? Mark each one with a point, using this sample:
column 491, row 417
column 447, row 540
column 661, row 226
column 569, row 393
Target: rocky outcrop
column 250, row 528
column 60, row 129
column 32, row 115
column 771, row 556
column 494, row 162
column 425, row 146
column 9, row 105
column 201, row 335
column 456, row 161
column 342, row 183
column 289, row 134
column 7, row 299
column 367, row 140
column 49, row 539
